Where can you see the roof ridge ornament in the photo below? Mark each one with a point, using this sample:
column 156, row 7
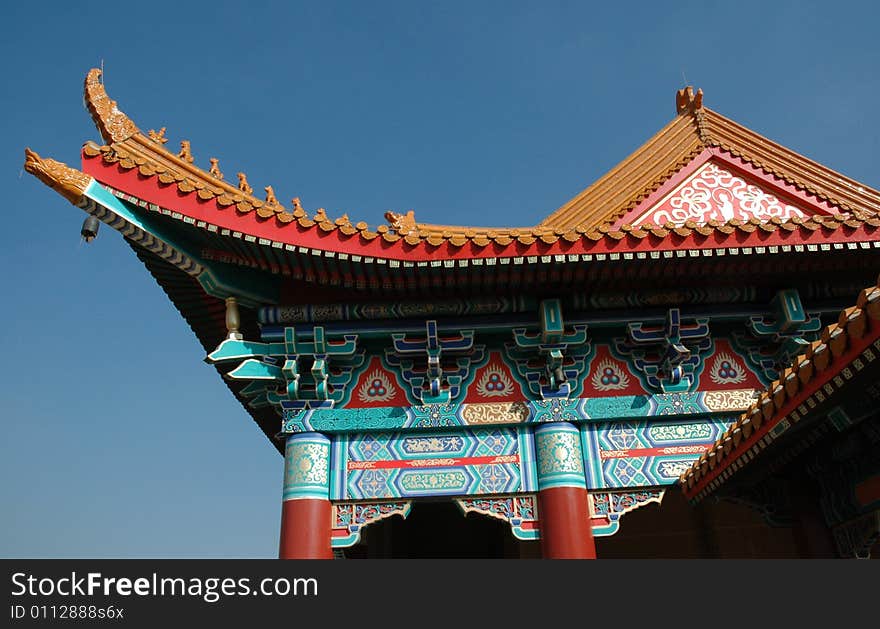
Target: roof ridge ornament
column 158, row 136
column 114, row 125
column 66, row 181
column 403, row 224
column 243, row 184
column 688, row 102
column 186, row 152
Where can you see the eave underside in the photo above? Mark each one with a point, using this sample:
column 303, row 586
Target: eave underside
column 206, row 317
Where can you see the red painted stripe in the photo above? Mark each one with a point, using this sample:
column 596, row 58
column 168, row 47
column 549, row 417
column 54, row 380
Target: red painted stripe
column 434, row 462
column 669, row 450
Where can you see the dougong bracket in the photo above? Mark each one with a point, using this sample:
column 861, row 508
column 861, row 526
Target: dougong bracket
column 552, row 360
column 666, row 355
column 306, row 370
column 435, row 367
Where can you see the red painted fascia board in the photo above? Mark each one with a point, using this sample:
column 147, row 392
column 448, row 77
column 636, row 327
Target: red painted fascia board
column 168, row 196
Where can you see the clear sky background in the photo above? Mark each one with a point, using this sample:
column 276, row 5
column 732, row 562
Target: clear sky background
column 117, row 439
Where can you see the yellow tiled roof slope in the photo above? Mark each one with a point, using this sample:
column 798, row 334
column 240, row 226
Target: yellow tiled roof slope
column 693, row 130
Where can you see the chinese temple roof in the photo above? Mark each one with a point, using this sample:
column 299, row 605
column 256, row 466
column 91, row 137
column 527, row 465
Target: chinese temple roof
column 696, row 129
column 801, row 395
column 205, row 239
column 593, row 222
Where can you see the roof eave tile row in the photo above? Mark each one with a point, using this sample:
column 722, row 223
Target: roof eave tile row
column 129, row 149
column 825, row 357
column 127, row 158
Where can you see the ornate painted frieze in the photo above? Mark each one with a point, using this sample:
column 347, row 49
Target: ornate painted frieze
column 377, row 386
column 372, row 466
column 389, row 418
column 607, row 507
column 306, row 467
column 668, row 358
column 494, row 382
column 350, row 518
column 715, row 193
column 647, row 298
column 319, row 313
column 559, row 457
column 435, row 368
column 521, row 512
column 308, row 369
column 551, row 362
column 643, row 453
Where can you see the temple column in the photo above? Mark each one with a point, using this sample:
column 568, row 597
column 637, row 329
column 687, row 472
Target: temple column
column 306, row 511
column 562, row 493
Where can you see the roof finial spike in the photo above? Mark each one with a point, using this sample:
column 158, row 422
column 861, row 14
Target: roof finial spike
column 215, row 169
column 688, row 102
column 185, row 151
column 243, row 184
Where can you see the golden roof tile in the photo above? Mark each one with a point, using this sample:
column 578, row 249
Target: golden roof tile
column 587, row 217
column 823, row 356
column 693, row 130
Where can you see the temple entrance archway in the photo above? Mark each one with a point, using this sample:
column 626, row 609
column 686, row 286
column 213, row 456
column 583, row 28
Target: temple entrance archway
column 439, row 529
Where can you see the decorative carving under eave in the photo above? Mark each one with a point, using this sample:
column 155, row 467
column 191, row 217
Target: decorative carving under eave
column 66, row 181
column 114, row 125
column 243, row 184
column 158, row 136
column 215, row 169
column 687, row 101
column 185, row 151
column 403, row 224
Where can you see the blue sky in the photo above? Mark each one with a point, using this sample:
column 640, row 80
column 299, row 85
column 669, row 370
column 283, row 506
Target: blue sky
column 118, row 440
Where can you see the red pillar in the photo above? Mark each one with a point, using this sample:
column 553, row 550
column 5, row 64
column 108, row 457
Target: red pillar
column 566, row 531
column 305, row 529
column 306, row 509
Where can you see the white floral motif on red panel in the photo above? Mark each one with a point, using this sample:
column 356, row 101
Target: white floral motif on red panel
column 494, row 383
column 609, row 376
column 376, row 388
column 727, row 370
column 714, row 193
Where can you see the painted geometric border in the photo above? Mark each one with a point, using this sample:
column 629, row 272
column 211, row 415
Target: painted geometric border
column 642, row 454
column 389, row 465
column 428, row 416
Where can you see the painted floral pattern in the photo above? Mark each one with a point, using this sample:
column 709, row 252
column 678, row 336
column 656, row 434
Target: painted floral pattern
column 377, row 388
column 494, row 383
column 714, row 193
column 726, row 370
column 609, row 376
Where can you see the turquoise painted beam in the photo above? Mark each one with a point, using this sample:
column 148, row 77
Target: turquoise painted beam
column 252, row 289
column 659, row 407
column 252, row 369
